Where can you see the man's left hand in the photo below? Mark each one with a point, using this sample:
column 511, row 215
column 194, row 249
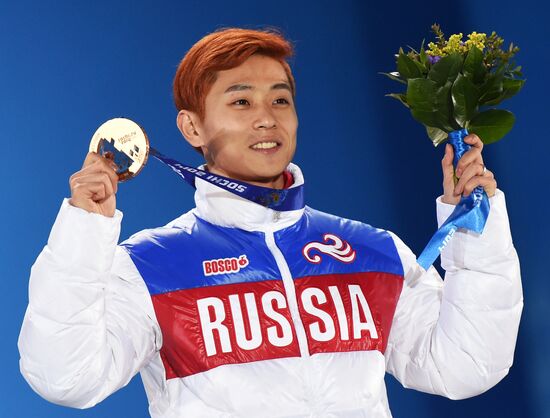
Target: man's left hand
column 470, row 172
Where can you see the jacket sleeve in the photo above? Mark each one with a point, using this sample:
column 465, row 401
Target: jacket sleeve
column 457, row 337
column 90, row 325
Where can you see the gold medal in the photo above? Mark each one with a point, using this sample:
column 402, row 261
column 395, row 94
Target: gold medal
column 124, row 142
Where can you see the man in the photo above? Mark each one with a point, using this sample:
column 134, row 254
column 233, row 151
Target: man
column 239, row 310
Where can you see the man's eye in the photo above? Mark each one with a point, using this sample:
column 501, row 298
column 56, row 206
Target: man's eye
column 281, row 100
column 241, row 102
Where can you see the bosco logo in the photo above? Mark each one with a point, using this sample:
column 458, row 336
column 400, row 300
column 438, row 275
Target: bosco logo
column 224, row 265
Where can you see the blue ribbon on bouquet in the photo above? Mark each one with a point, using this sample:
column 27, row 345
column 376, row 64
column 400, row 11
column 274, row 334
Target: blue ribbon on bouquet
column 471, row 212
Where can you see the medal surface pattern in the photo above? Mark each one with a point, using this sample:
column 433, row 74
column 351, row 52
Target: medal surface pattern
column 125, row 142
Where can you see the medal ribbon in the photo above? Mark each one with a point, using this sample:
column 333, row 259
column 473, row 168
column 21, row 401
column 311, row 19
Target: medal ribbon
column 279, row 200
column 470, row 213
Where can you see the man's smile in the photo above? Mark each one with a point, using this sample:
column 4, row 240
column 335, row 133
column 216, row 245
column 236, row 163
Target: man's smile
column 268, row 146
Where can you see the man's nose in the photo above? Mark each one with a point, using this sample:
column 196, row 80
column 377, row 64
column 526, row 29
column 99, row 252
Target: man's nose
column 264, row 118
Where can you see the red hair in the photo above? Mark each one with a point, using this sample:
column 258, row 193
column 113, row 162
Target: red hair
column 223, row 50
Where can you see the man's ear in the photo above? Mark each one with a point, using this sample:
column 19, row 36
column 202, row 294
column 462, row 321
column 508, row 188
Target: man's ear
column 189, row 125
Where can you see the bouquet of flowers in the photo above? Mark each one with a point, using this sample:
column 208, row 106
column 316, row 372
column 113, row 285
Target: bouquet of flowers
column 453, row 84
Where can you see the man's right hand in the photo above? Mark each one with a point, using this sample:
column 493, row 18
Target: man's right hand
column 94, row 187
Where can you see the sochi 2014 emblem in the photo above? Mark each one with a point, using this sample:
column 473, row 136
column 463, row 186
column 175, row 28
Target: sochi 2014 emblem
column 333, row 246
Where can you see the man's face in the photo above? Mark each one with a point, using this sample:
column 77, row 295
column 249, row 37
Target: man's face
column 249, row 129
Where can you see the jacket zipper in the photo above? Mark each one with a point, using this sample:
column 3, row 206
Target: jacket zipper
column 290, row 290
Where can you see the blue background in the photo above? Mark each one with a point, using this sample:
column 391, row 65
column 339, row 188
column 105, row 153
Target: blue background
column 65, row 67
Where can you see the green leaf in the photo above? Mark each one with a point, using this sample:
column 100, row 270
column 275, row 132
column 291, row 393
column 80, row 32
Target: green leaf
column 422, row 67
column 400, row 97
column 492, row 125
column 395, row 76
column 444, row 105
column 517, row 71
column 510, row 87
column 429, row 104
column 465, row 99
column 407, row 67
column 492, row 87
column 446, row 69
column 436, row 135
column 421, row 98
column 474, row 67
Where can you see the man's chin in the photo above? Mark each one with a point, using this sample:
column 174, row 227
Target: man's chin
column 265, row 178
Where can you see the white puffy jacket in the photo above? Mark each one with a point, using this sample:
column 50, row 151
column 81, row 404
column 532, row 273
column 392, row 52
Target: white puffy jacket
column 236, row 310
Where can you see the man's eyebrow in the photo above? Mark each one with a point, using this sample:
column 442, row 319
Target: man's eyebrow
column 238, row 87
column 241, row 87
column 279, row 86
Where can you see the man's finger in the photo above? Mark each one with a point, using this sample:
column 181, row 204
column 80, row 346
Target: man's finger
column 95, row 191
column 107, row 167
column 474, row 140
column 447, row 168
column 473, row 156
column 489, row 185
column 85, row 185
column 470, row 171
column 93, row 157
column 100, row 177
column 95, row 163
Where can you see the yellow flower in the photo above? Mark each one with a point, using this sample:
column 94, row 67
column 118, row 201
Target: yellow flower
column 434, row 50
column 455, row 44
column 477, row 40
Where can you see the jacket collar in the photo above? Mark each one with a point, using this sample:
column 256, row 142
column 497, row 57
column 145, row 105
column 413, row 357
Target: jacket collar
column 223, row 208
